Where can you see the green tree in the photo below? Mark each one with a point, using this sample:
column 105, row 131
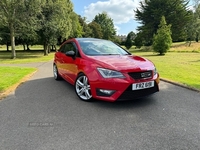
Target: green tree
column 117, row 40
column 162, row 40
column 27, row 33
column 197, row 23
column 55, row 21
column 193, row 27
column 139, row 39
column 77, row 29
column 132, row 35
column 96, row 30
column 5, row 36
column 87, row 31
column 15, row 15
column 129, row 40
column 175, row 11
column 106, row 24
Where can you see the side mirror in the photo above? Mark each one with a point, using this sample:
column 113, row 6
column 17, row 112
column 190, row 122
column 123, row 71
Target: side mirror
column 70, row 53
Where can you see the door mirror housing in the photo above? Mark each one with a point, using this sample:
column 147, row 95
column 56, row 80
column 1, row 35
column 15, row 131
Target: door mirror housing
column 70, row 53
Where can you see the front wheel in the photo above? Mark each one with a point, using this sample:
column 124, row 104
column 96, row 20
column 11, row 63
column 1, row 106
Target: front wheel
column 55, row 72
column 82, row 88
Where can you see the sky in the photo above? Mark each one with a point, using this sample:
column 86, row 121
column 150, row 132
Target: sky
column 121, row 11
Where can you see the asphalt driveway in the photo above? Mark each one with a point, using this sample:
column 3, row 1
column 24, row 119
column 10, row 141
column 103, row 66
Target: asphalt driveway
column 44, row 114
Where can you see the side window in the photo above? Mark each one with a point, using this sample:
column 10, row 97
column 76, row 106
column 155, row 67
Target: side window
column 67, row 47
column 63, row 49
column 70, row 47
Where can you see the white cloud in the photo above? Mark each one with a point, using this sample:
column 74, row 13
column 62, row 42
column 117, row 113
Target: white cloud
column 121, row 11
column 117, row 29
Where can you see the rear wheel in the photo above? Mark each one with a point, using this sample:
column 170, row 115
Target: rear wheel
column 82, row 88
column 55, row 72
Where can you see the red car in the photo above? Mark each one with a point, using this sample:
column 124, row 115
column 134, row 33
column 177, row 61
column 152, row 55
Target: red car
column 101, row 69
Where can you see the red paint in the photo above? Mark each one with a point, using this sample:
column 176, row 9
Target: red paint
column 69, row 68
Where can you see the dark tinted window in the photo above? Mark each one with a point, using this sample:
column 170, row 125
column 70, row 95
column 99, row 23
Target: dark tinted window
column 67, row 47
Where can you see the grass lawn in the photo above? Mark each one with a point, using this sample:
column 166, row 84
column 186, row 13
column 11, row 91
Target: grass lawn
column 20, row 47
column 181, row 64
column 24, row 57
column 11, row 75
column 184, row 47
column 183, row 68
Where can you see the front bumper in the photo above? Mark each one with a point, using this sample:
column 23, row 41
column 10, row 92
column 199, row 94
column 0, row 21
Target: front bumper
column 122, row 89
column 129, row 94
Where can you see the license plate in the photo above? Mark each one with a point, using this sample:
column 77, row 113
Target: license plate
column 142, row 85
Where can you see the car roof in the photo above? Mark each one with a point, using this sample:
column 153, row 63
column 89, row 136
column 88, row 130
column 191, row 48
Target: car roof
column 90, row 39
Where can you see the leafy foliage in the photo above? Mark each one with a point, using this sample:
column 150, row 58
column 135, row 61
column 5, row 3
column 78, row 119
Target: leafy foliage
column 5, row 36
column 193, row 27
column 29, row 21
column 162, row 40
column 22, row 21
column 87, row 31
column 106, row 24
column 129, row 40
column 149, row 14
column 77, row 29
column 139, row 40
column 55, row 22
column 96, row 30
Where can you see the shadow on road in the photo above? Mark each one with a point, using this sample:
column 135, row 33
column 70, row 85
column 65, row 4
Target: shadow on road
column 47, row 114
column 61, row 92
column 143, row 102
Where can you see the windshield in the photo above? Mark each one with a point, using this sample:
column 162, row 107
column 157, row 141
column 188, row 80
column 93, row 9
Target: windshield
column 101, row 47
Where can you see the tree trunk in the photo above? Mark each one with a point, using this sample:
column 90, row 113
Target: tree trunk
column 49, row 49
column 197, row 37
column 7, row 46
column 24, row 46
column 54, row 47
column 190, row 42
column 27, row 45
column 12, row 39
column 45, row 49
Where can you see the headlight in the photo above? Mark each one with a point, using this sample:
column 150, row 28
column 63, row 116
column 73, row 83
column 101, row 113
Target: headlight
column 155, row 71
column 106, row 73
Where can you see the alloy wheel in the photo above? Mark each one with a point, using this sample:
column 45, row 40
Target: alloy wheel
column 55, row 73
column 82, row 88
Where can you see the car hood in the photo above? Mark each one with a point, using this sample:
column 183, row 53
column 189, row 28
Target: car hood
column 123, row 63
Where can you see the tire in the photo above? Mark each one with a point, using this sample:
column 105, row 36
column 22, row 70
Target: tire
column 55, row 73
column 82, row 88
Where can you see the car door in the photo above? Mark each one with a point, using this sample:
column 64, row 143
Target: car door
column 69, row 65
column 59, row 57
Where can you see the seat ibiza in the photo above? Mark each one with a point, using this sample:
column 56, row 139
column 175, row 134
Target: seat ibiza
column 100, row 69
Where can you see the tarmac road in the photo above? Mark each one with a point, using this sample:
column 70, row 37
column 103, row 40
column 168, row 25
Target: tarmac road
column 44, row 114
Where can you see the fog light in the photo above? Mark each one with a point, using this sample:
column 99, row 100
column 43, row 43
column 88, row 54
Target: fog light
column 103, row 92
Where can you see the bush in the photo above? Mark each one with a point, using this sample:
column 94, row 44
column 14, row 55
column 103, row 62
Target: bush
column 162, row 40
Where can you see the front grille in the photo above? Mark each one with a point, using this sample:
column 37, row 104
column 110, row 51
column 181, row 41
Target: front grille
column 141, row 75
column 129, row 94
